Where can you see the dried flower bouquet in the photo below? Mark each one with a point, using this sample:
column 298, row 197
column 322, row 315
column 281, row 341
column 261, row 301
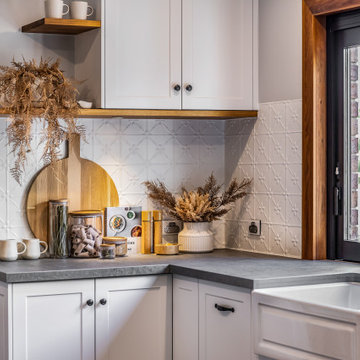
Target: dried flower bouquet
column 205, row 204
column 30, row 91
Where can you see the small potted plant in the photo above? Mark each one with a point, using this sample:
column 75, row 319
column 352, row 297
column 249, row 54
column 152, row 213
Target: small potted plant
column 197, row 209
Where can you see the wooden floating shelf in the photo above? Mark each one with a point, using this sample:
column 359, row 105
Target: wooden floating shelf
column 162, row 114
column 166, row 114
column 61, row 26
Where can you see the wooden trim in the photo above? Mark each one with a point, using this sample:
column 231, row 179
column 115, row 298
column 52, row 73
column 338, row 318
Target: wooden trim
column 314, row 222
column 162, row 114
column 61, row 26
column 327, row 7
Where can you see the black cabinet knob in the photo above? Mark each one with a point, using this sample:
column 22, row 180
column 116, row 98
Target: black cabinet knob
column 103, row 301
column 90, row 302
column 177, row 87
column 189, row 88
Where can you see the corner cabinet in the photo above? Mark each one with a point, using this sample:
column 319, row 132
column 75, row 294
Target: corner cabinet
column 172, row 54
column 213, row 319
column 124, row 317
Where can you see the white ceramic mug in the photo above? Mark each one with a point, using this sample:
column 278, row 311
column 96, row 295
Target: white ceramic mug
column 9, row 250
column 33, row 248
column 81, row 10
column 55, row 9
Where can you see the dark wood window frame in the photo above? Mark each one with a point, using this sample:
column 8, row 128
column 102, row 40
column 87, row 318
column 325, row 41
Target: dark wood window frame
column 314, row 178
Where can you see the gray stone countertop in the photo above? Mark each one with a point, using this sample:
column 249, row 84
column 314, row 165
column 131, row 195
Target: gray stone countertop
column 249, row 270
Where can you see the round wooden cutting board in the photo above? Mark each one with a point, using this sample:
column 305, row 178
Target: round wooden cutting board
column 85, row 184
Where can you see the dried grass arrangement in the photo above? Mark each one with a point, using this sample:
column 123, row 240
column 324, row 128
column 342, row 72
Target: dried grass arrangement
column 28, row 92
column 205, row 204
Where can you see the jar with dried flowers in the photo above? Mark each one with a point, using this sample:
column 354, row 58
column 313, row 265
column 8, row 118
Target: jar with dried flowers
column 197, row 209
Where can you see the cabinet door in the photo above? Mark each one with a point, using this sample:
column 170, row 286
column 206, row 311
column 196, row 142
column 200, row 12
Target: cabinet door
column 185, row 318
column 4, row 323
column 52, row 320
column 136, row 321
column 219, row 57
column 224, row 334
column 142, row 54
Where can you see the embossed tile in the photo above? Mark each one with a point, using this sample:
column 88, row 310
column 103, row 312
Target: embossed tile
column 293, row 148
column 186, row 149
column 261, row 149
column 293, row 210
column 160, row 149
column 277, row 179
column 278, row 118
column 293, row 241
column 262, row 124
column 294, row 116
column 133, row 149
column 245, row 243
column 232, row 231
column 246, row 149
column 261, row 178
column 293, row 179
column 277, row 240
column 277, row 148
column 277, row 209
column 262, row 207
column 160, row 126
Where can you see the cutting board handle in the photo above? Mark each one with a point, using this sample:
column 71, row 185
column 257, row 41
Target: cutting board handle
column 73, row 146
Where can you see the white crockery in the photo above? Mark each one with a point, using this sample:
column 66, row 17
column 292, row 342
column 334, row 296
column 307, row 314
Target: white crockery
column 33, row 250
column 80, row 10
column 9, row 250
column 55, row 9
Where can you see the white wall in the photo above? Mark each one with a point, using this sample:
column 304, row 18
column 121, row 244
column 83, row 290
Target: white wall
column 280, row 49
column 268, row 149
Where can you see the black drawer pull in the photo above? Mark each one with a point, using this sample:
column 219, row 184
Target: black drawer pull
column 224, row 308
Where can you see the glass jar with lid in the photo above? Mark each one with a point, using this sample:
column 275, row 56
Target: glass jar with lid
column 85, row 233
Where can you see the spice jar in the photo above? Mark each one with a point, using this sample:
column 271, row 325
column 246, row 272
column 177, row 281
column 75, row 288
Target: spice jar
column 107, row 251
column 85, row 233
column 57, row 236
column 120, row 244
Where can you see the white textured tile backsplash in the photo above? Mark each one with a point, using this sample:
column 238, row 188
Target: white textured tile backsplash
column 185, row 152
column 132, row 151
column 267, row 150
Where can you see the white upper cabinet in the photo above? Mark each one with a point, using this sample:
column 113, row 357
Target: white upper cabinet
column 142, row 54
column 179, row 54
column 218, row 54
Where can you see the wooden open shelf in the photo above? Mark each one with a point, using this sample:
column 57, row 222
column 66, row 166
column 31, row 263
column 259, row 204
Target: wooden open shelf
column 61, row 26
column 162, row 114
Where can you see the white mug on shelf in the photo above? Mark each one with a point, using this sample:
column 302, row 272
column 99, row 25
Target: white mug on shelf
column 33, row 248
column 9, row 250
column 81, row 10
column 55, row 9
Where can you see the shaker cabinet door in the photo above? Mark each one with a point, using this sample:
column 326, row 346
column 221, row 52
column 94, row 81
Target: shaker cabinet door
column 52, row 320
column 224, row 322
column 134, row 318
column 142, row 54
column 185, row 318
column 219, row 61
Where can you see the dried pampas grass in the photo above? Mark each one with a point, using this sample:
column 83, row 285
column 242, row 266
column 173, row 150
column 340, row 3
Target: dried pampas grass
column 205, row 204
column 30, row 91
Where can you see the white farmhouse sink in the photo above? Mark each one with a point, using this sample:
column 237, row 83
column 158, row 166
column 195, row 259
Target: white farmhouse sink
column 338, row 295
column 310, row 322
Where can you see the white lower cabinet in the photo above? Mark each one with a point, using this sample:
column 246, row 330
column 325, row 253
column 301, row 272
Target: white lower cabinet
column 212, row 319
column 133, row 318
column 107, row 319
column 51, row 320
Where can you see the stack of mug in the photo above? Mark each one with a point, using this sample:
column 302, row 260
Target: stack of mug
column 30, row 249
column 78, row 9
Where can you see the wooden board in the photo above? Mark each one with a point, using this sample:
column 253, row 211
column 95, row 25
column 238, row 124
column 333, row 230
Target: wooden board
column 161, row 114
column 61, row 26
column 84, row 183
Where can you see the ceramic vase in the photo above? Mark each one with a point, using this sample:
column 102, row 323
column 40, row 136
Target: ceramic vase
column 196, row 238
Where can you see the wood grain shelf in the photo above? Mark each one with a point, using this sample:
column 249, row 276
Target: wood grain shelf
column 61, row 26
column 162, row 114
